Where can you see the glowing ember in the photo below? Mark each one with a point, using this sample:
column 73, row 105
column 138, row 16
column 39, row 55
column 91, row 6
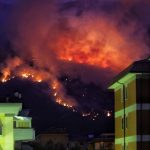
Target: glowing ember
column 4, row 80
column 55, row 94
column 108, row 114
column 86, row 114
column 54, row 85
column 6, row 75
column 39, row 80
column 24, row 75
column 58, row 95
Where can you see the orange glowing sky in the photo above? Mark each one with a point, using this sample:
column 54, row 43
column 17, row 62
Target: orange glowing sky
column 53, row 40
column 98, row 43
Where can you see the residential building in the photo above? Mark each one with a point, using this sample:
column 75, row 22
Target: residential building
column 78, row 142
column 13, row 128
column 103, row 142
column 132, row 107
column 53, row 136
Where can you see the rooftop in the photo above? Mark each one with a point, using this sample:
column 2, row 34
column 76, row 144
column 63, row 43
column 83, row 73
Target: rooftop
column 10, row 108
column 141, row 66
column 54, row 130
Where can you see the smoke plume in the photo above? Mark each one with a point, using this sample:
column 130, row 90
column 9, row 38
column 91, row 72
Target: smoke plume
column 72, row 37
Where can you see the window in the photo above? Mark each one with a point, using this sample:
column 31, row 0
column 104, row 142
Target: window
column 15, row 124
column 1, row 128
column 126, row 122
column 122, row 95
column 122, row 123
column 126, row 93
column 125, row 147
column 1, row 132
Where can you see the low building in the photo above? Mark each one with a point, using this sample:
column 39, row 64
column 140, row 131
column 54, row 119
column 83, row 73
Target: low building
column 103, row 142
column 78, row 142
column 53, row 136
column 13, row 128
column 132, row 107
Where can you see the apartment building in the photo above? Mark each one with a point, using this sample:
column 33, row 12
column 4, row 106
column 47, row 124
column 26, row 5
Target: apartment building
column 132, row 107
column 13, row 128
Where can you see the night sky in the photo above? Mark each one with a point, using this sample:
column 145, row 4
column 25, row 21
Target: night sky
column 62, row 54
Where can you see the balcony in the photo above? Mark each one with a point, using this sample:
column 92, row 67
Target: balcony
column 22, row 122
column 24, row 134
column 22, row 129
column 10, row 108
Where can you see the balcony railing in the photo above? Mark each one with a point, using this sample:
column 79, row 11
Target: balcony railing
column 22, row 122
column 23, row 129
column 26, row 134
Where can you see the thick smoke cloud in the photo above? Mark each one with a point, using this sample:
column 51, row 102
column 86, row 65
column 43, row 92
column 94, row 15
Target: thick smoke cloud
column 72, row 36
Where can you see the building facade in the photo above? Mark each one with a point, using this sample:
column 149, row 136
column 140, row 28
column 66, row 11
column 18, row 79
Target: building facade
column 53, row 136
column 104, row 142
column 132, row 107
column 13, row 128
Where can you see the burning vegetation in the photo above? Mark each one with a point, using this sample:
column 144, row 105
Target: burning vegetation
column 59, row 40
column 17, row 68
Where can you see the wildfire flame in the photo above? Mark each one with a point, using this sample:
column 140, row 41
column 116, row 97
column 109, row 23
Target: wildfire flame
column 99, row 44
column 38, row 76
column 55, row 85
column 6, row 74
column 51, row 37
